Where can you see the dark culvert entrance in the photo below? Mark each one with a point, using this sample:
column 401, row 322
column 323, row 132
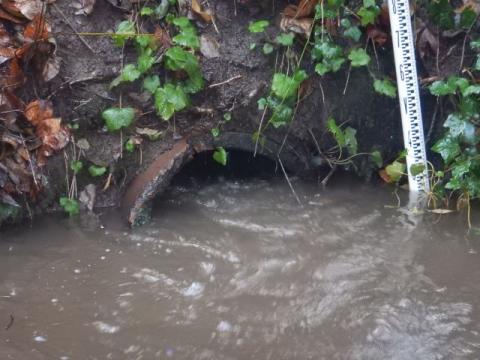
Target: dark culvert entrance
column 241, row 165
column 191, row 162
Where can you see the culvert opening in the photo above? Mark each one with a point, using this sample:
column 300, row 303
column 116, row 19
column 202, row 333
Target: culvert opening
column 241, row 165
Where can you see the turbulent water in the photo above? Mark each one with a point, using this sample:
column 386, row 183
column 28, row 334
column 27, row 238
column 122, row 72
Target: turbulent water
column 240, row 270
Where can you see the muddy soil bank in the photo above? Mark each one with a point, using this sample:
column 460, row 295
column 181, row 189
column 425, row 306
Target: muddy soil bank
column 236, row 77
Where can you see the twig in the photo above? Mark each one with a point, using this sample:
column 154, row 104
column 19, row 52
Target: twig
column 68, row 22
column 10, row 323
column 329, row 175
column 348, row 79
column 236, row 77
column 260, row 130
column 465, row 43
column 320, row 152
column 288, row 181
column 432, row 124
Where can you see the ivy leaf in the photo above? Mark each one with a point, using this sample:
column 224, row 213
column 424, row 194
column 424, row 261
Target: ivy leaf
column 215, row 132
column 146, row 11
column 96, row 171
column 395, row 170
column 377, row 159
column 337, row 133
column 179, row 59
column 475, row 44
column 385, row 87
column 76, row 166
column 258, row 26
column 151, row 83
column 351, row 140
column 368, row 15
column 417, row 169
column 353, row 33
column 369, row 3
column 267, row 48
column 262, row 103
column 227, row 116
column 129, row 73
column 125, row 30
column 144, row 40
column 118, row 118
column 471, row 90
column 442, row 14
column 220, row 156
column 448, row 148
column 359, row 57
column 145, row 61
column 130, row 145
column 442, row 88
column 460, row 127
column 70, row 206
column 281, row 116
column 285, row 39
column 169, row 100
column 467, row 18
column 284, row 86
column 187, row 38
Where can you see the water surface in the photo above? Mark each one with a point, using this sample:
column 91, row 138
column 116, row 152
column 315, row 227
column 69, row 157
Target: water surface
column 239, row 270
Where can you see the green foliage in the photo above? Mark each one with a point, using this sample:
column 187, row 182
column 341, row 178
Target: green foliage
column 458, row 146
column 350, row 31
column 329, row 56
column 267, row 48
column 129, row 73
column 118, row 118
column 151, row 83
column 187, row 37
column 385, row 87
column 125, row 31
column 258, row 26
column 177, row 59
column 130, row 145
column 76, row 166
column 396, row 170
column 170, row 99
column 97, row 171
column 359, row 57
column 285, row 39
column 368, row 12
column 284, row 86
column 377, row 159
column 220, row 156
column 70, row 206
column 345, row 138
column 442, row 13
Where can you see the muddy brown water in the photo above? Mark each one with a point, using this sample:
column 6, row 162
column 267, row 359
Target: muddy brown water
column 238, row 270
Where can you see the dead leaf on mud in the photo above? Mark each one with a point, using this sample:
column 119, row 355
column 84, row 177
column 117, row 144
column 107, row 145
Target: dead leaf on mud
column 305, row 8
column 427, row 41
column 162, row 37
column 86, row 7
column 27, row 8
column 51, row 68
column 49, row 130
column 300, row 26
column 209, row 47
column 206, row 15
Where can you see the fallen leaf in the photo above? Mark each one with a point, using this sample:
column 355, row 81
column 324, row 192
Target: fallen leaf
column 300, row 26
column 26, row 8
column 86, row 7
column 209, row 47
column 305, row 8
column 204, row 14
column 51, row 68
column 162, row 37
